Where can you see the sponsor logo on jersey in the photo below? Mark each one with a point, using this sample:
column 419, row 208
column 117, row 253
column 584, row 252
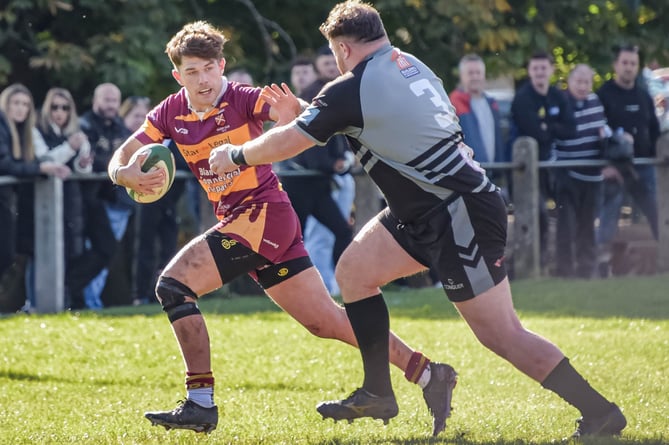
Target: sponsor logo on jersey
column 407, row 69
column 181, row 130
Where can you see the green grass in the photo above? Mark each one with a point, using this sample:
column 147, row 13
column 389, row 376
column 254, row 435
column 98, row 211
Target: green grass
column 88, row 378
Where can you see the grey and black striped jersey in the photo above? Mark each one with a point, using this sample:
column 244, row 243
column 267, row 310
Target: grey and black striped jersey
column 403, row 130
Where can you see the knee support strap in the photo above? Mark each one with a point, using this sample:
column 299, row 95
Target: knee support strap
column 172, row 294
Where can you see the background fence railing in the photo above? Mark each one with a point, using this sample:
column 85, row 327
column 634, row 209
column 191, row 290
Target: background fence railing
column 49, row 258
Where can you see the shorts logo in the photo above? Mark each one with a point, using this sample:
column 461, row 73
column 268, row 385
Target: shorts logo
column 282, row 272
column 271, row 243
column 228, row 243
column 452, row 285
column 499, row 262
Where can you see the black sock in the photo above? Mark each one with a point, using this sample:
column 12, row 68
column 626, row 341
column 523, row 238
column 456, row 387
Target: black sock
column 370, row 322
column 566, row 382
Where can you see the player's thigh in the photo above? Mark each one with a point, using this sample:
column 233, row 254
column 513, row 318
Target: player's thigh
column 195, row 267
column 305, row 298
column 491, row 314
column 373, row 258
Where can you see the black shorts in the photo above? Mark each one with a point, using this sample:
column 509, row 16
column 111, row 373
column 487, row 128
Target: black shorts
column 462, row 240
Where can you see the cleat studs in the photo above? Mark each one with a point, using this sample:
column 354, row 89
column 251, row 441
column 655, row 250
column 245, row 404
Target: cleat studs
column 385, row 421
column 350, row 421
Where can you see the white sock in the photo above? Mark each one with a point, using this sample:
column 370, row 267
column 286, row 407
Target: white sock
column 202, row 396
column 425, row 377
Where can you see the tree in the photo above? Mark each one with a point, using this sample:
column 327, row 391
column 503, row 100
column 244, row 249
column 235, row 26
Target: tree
column 80, row 43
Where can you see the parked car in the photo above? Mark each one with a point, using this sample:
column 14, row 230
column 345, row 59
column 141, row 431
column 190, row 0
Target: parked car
column 658, row 87
column 504, row 97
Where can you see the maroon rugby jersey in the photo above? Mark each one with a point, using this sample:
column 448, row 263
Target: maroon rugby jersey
column 236, row 118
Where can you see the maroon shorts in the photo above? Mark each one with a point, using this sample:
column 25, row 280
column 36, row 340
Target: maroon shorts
column 258, row 237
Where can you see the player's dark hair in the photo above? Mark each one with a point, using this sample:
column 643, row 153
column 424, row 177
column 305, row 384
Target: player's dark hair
column 355, row 19
column 198, row 39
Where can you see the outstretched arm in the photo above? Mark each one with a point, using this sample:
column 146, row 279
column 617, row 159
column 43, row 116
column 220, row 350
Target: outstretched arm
column 281, row 142
column 284, row 105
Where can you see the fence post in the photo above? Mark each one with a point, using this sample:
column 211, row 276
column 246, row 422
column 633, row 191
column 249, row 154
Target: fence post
column 526, row 209
column 662, row 176
column 49, row 245
column 367, row 200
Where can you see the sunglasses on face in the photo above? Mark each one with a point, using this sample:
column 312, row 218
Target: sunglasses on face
column 56, row 107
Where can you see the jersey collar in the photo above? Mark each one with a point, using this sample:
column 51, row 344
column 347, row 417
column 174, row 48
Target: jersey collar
column 224, row 88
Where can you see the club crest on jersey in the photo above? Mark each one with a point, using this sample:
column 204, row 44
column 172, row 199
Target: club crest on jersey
column 407, row 69
column 220, row 119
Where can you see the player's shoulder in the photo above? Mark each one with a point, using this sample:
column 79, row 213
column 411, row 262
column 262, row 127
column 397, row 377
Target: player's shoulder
column 236, row 90
column 175, row 102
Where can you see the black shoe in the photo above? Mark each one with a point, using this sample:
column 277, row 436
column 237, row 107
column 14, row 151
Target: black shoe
column 187, row 416
column 360, row 404
column 610, row 424
column 438, row 394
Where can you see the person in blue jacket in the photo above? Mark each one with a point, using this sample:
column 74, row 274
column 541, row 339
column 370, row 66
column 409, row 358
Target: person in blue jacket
column 478, row 112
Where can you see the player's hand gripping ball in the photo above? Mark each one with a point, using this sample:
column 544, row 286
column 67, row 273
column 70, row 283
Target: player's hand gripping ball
column 159, row 157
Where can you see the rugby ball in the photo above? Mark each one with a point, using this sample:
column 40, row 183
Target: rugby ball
column 159, row 157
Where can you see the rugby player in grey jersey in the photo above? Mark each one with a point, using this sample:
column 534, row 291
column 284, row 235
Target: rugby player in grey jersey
column 443, row 213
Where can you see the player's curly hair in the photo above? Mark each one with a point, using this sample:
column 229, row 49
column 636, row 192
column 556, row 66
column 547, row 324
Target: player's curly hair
column 355, row 19
column 197, row 39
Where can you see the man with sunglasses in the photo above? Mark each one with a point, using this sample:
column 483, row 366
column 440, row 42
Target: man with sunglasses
column 106, row 132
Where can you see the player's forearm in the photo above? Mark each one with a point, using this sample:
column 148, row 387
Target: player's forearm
column 278, row 144
column 120, row 158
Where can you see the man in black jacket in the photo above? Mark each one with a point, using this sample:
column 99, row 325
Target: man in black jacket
column 630, row 110
column 105, row 131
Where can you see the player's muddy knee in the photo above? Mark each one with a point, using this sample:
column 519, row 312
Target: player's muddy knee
column 172, row 296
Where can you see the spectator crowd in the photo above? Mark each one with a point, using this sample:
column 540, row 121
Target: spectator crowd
column 106, row 233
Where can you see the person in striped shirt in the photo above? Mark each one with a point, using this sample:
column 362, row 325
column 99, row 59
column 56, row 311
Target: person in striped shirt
column 577, row 188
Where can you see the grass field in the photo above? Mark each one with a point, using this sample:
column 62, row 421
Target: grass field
column 87, row 378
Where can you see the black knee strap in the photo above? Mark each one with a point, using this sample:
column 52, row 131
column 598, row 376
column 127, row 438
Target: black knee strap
column 172, row 295
column 181, row 311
